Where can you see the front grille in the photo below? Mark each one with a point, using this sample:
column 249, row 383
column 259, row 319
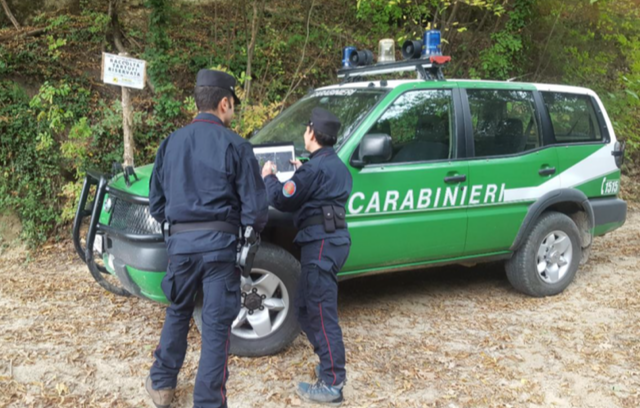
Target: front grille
column 133, row 218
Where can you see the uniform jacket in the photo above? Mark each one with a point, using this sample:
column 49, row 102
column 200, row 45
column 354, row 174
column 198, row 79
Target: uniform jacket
column 323, row 180
column 206, row 172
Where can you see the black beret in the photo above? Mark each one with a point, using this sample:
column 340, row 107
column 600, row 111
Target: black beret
column 324, row 122
column 219, row 79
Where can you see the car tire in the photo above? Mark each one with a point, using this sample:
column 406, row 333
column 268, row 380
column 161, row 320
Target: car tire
column 270, row 259
column 547, row 261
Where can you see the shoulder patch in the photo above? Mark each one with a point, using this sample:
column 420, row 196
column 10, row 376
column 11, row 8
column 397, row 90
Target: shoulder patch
column 289, row 188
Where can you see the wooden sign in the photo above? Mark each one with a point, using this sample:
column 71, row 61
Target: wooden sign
column 123, row 71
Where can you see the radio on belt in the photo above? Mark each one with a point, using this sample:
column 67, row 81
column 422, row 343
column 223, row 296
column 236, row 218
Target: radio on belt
column 247, row 249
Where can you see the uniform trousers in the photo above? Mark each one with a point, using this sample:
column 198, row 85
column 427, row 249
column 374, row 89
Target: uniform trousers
column 317, row 303
column 220, row 283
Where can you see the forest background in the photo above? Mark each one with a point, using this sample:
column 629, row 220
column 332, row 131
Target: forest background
column 57, row 118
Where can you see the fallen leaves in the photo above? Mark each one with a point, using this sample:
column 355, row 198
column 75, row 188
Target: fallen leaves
column 437, row 338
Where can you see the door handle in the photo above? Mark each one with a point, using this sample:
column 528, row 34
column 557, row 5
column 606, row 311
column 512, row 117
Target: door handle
column 455, row 179
column 547, row 171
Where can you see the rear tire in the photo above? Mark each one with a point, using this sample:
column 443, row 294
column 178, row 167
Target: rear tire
column 270, row 260
column 549, row 258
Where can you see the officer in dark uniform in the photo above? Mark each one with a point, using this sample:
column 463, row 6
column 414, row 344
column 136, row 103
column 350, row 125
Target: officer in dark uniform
column 317, row 195
column 205, row 185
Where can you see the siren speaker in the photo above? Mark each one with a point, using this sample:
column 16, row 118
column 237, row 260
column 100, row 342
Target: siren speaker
column 361, row 57
column 411, row 49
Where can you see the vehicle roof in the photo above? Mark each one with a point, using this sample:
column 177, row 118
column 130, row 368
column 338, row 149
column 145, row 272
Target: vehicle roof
column 391, row 84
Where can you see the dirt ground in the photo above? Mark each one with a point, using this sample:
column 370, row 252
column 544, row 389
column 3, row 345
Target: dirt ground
column 450, row 337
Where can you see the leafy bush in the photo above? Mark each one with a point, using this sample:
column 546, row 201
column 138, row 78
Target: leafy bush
column 74, row 122
column 30, row 178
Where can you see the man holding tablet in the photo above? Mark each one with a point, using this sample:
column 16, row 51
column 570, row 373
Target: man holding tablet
column 317, row 194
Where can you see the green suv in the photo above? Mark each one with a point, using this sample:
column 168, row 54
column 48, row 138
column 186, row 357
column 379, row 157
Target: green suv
column 444, row 171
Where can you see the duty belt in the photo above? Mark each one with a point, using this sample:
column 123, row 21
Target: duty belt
column 332, row 218
column 221, row 226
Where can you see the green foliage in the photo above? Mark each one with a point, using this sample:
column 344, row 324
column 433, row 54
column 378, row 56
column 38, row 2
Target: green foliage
column 498, row 62
column 51, row 117
column 54, row 44
column 158, row 41
column 29, row 182
column 74, row 122
column 505, row 57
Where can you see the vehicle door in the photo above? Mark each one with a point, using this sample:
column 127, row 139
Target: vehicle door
column 511, row 166
column 408, row 209
column 580, row 132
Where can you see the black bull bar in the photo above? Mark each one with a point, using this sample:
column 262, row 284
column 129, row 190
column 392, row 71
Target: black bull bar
column 101, row 181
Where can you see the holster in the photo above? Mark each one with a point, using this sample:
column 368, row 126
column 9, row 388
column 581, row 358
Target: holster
column 333, row 217
column 328, row 218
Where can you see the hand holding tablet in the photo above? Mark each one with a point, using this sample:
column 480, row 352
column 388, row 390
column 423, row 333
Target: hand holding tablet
column 277, row 159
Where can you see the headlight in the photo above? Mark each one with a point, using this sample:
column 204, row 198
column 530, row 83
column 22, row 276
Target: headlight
column 108, row 205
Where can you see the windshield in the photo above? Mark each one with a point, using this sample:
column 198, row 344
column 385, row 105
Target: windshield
column 349, row 104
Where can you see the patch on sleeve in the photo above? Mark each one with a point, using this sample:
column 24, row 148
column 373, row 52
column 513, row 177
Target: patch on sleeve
column 289, row 188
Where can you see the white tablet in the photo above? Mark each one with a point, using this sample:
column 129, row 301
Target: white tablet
column 281, row 154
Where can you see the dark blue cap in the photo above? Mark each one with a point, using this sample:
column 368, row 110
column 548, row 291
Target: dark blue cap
column 219, row 79
column 324, row 122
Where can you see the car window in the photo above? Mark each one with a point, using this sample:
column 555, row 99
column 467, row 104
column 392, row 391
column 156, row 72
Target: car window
column 573, row 117
column 420, row 124
column 504, row 122
column 350, row 105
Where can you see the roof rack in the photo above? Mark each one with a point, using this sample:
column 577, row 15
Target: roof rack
column 428, row 69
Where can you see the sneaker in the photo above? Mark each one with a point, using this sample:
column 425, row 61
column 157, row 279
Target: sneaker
column 319, row 368
column 321, row 393
column 161, row 398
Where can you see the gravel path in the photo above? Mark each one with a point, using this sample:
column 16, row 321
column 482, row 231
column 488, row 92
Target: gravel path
column 450, row 337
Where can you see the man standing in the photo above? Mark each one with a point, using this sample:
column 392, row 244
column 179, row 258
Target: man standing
column 205, row 185
column 317, row 195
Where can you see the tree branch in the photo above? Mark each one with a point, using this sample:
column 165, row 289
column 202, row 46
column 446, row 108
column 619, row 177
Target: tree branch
column 304, row 50
column 9, row 14
column 250, row 51
column 24, row 34
column 535, row 77
column 292, row 17
column 450, row 21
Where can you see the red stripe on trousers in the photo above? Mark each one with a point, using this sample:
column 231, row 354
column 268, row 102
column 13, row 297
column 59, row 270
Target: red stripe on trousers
column 328, row 345
column 224, row 378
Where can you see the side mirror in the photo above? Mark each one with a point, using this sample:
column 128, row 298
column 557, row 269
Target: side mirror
column 374, row 147
column 618, row 153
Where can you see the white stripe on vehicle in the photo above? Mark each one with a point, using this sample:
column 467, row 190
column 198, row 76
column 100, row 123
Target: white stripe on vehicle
column 598, row 164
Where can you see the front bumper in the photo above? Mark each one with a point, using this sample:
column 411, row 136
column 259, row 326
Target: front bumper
column 133, row 251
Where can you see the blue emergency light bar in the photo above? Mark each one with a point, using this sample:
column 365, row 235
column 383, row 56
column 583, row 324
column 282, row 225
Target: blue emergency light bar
column 431, row 43
column 346, row 56
column 429, row 65
column 428, row 69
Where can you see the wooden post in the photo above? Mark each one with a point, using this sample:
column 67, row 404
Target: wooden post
column 127, row 123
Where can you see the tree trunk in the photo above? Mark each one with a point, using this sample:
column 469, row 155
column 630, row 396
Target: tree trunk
column 127, row 121
column 250, row 51
column 484, row 19
column 9, row 14
column 116, row 32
